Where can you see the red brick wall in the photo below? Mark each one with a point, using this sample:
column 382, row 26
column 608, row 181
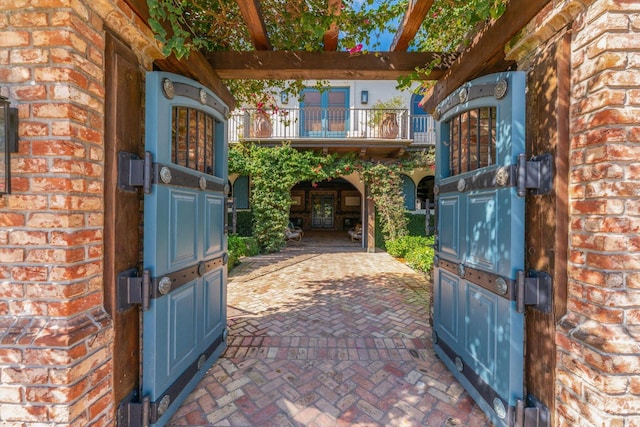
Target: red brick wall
column 599, row 340
column 55, row 337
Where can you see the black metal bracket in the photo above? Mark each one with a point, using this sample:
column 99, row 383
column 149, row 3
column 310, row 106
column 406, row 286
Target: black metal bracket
column 132, row 413
column 134, row 172
column 133, row 289
column 230, row 226
column 532, row 414
column 535, row 290
column 535, row 174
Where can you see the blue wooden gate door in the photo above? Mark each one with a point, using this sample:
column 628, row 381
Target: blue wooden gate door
column 479, row 330
column 184, row 328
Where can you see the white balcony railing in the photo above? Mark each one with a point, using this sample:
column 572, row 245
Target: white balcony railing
column 331, row 123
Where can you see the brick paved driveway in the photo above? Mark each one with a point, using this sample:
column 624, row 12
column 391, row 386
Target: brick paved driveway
column 328, row 336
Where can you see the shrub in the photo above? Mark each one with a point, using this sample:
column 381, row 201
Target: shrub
column 415, row 224
column 244, row 221
column 241, row 246
column 421, row 259
column 416, row 250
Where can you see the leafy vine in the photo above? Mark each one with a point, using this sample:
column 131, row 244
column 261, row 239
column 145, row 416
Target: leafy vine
column 275, row 170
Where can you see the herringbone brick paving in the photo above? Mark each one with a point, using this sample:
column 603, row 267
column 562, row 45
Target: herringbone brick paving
column 328, row 336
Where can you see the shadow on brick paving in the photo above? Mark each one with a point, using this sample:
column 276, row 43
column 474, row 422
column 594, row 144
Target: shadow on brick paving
column 328, row 336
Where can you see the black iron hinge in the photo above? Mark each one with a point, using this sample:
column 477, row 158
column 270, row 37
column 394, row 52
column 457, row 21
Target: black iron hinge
column 531, row 413
column 135, row 172
column 133, row 289
column 534, row 289
column 134, row 414
column 535, row 174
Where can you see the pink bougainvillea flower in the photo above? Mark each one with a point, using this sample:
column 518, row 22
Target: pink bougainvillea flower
column 356, row 49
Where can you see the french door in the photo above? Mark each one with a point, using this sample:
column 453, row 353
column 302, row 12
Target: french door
column 322, row 215
column 324, row 114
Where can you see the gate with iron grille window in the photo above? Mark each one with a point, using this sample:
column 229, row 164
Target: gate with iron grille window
column 480, row 286
column 182, row 287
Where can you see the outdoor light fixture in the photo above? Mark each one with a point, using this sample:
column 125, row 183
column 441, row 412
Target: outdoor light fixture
column 284, row 98
column 8, row 141
column 364, row 97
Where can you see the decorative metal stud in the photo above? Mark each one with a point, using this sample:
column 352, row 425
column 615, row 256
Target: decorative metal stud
column 459, row 364
column 461, row 271
column 501, row 286
column 502, row 176
column 168, row 89
column 463, row 95
column 165, row 175
column 500, row 90
column 164, row 287
column 202, row 183
column 498, row 406
column 201, row 361
column 202, row 268
column 164, row 405
column 462, row 184
column 203, row 96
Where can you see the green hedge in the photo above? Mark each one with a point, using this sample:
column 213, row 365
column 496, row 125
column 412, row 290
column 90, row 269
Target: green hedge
column 416, row 224
column 244, row 221
column 240, row 246
column 417, row 251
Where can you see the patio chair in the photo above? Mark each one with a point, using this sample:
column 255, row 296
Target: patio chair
column 356, row 233
column 293, row 234
column 295, row 228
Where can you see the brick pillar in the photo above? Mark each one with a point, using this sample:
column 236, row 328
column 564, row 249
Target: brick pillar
column 599, row 339
column 55, row 339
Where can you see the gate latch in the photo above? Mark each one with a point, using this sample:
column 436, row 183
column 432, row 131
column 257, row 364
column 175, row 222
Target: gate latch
column 134, row 172
column 531, row 413
column 535, row 174
column 133, row 289
column 534, row 290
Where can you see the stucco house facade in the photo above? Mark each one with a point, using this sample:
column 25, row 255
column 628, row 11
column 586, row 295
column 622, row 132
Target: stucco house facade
column 75, row 72
column 347, row 118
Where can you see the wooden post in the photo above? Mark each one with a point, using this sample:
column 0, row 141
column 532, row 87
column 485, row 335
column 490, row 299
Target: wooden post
column 371, row 224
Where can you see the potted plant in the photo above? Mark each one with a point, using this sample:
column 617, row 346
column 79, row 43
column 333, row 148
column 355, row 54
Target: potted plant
column 259, row 112
column 384, row 117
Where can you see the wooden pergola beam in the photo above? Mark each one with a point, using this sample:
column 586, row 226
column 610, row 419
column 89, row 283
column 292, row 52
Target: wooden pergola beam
column 411, row 22
column 195, row 67
column 287, row 65
column 252, row 16
column 485, row 51
column 330, row 38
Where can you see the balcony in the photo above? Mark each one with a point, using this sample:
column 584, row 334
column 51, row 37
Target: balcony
column 335, row 129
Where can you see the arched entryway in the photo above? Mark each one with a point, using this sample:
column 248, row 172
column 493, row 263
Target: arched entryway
column 425, row 193
column 331, row 205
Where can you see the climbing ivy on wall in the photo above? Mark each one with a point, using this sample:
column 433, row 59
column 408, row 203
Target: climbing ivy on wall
column 275, row 170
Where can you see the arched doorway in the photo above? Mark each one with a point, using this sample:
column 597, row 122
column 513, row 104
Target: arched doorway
column 425, row 192
column 330, row 205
